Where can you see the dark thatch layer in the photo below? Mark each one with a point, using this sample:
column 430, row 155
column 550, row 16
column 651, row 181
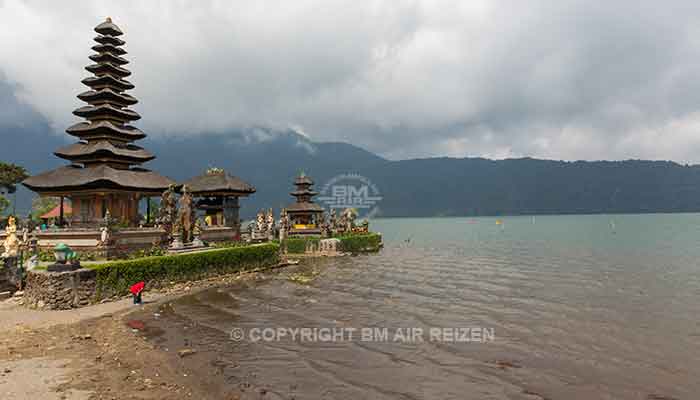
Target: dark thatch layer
column 107, row 110
column 105, row 68
column 74, row 177
column 219, row 183
column 108, row 95
column 107, row 81
column 304, row 207
column 303, row 180
column 305, row 192
column 106, row 39
column 109, row 58
column 79, row 151
column 106, row 129
column 109, row 48
column 108, row 28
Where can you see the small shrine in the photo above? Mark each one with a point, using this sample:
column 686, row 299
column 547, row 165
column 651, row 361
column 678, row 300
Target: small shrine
column 105, row 171
column 305, row 216
column 218, row 193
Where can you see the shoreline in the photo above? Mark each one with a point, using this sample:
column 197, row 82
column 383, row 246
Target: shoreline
column 93, row 353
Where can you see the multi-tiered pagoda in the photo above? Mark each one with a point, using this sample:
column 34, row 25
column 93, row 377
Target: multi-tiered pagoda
column 104, row 173
column 304, row 214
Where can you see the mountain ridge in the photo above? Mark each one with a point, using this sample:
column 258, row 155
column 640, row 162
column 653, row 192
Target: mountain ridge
column 422, row 187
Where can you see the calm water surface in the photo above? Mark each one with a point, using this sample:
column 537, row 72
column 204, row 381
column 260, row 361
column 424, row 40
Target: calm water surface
column 582, row 307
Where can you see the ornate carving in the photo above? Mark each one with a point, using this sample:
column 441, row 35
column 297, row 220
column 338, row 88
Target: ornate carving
column 284, row 225
column 333, row 223
column 259, row 232
column 168, row 211
column 324, row 225
column 197, row 232
column 270, row 226
column 105, row 237
column 348, row 218
column 11, row 243
column 186, row 215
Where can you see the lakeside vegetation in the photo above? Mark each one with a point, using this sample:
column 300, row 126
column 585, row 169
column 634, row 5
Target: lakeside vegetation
column 355, row 243
column 115, row 277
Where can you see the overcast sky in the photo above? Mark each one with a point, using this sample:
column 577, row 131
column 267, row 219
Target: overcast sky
column 552, row 79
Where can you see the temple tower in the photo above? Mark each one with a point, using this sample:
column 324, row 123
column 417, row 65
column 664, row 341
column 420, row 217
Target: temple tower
column 105, row 171
column 304, row 214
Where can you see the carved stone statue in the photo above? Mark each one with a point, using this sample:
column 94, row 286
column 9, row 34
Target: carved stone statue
column 342, row 223
column 186, row 215
column 168, row 211
column 284, row 224
column 108, row 222
column 260, row 229
column 176, row 243
column 104, row 237
column 270, row 228
column 260, row 222
column 349, row 216
column 11, row 243
column 333, row 222
column 324, row 225
column 197, row 232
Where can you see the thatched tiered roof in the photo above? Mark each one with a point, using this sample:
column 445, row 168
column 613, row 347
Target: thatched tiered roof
column 217, row 182
column 105, row 156
column 304, row 195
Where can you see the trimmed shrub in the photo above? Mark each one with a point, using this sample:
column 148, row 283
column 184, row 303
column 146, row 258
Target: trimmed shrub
column 297, row 245
column 115, row 278
column 361, row 243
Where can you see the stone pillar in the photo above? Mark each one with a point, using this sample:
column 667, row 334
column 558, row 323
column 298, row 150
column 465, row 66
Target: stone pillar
column 61, row 219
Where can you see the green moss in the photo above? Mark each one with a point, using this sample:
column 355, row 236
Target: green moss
column 115, row 278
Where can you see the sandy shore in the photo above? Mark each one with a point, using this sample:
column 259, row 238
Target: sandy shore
column 97, row 352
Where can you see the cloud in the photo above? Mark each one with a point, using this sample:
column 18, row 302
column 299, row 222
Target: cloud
column 565, row 80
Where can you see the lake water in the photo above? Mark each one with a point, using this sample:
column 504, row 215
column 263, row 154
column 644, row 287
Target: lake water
column 579, row 307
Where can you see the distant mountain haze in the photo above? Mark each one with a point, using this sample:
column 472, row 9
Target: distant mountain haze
column 409, row 188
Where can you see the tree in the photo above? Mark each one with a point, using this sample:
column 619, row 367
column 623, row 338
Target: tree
column 4, row 203
column 10, row 176
column 41, row 205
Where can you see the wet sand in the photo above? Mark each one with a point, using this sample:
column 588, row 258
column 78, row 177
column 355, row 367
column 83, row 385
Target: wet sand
column 98, row 352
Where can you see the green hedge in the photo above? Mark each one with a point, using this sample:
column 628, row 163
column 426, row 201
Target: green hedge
column 362, row 243
column 115, row 278
column 359, row 243
column 297, row 245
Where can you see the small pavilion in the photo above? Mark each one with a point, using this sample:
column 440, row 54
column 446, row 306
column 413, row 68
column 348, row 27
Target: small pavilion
column 218, row 194
column 105, row 172
column 54, row 216
column 304, row 214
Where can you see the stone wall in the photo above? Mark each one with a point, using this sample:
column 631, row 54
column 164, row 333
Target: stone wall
column 9, row 274
column 60, row 290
